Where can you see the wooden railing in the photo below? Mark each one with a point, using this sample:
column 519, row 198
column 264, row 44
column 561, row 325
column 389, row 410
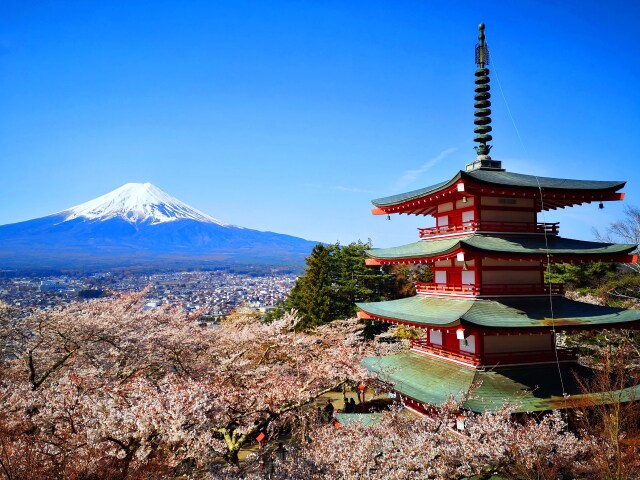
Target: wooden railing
column 504, row 358
column 444, row 352
column 485, row 226
column 447, row 289
column 490, row 289
column 448, row 229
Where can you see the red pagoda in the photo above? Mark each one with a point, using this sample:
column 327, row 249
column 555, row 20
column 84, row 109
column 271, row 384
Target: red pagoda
column 490, row 320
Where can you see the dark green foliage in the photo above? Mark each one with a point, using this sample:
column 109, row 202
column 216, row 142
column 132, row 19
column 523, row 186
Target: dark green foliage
column 276, row 313
column 336, row 278
column 583, row 275
column 312, row 294
column 373, row 328
column 402, row 278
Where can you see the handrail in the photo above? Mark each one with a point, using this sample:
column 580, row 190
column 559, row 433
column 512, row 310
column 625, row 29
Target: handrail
column 490, row 289
column 443, row 288
column 487, row 226
column 460, row 355
column 530, row 356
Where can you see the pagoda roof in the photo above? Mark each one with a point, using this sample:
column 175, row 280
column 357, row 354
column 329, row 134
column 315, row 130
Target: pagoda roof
column 527, row 388
column 505, row 312
column 366, row 419
column 510, row 180
column 507, row 245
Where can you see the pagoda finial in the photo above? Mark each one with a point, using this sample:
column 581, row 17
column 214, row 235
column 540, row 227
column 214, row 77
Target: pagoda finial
column 482, row 97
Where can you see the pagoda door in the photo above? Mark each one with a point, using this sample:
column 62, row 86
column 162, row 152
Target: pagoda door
column 455, row 221
column 454, row 277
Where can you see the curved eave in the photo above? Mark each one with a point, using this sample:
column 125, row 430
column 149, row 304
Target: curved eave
column 559, row 249
column 504, row 313
column 415, row 194
column 440, row 312
column 556, row 192
column 520, row 180
column 525, row 388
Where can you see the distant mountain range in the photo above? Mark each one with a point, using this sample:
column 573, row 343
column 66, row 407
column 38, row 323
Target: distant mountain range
column 139, row 225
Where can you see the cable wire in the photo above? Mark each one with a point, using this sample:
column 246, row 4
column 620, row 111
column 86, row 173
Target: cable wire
column 546, row 240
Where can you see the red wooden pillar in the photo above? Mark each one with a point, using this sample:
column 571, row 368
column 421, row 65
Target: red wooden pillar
column 480, row 346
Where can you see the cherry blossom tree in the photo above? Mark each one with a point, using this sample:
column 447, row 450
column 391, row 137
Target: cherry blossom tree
column 401, row 447
column 108, row 386
column 107, row 389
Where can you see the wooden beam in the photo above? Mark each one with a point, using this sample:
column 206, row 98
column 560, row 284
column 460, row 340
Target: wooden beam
column 378, row 211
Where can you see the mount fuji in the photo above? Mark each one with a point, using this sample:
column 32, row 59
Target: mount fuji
column 139, row 225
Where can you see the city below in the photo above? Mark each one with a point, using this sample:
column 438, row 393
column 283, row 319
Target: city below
column 213, row 293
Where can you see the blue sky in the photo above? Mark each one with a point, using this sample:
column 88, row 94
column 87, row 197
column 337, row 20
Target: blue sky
column 291, row 115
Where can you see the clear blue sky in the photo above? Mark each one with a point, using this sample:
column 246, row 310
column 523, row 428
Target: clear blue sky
column 291, row 115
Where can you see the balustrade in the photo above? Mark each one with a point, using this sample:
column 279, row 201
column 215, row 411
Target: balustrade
column 458, row 355
column 492, row 289
column 503, row 358
column 485, row 226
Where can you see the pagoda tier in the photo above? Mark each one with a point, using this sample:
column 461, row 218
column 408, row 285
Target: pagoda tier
column 475, row 332
column 512, row 247
column 506, row 313
column 541, row 193
column 423, row 381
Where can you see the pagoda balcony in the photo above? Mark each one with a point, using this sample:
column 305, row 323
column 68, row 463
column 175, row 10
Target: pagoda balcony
column 485, row 226
column 489, row 290
column 456, row 356
column 494, row 359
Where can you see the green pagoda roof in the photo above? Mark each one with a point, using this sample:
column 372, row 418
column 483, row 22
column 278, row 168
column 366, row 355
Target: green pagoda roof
column 528, row 388
column 506, row 179
column 365, row 418
column 510, row 244
column 513, row 312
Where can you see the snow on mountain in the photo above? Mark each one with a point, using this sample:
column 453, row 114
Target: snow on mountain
column 140, row 226
column 135, row 203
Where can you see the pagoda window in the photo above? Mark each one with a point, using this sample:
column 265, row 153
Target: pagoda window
column 440, row 276
column 442, row 221
column 468, row 277
column 467, row 216
column 468, row 344
column 435, row 337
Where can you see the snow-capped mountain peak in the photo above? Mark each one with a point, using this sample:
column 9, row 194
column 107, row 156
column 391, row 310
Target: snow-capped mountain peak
column 137, row 202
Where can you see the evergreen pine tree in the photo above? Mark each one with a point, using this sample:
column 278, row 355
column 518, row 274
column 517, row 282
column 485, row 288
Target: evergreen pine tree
column 311, row 295
column 337, row 277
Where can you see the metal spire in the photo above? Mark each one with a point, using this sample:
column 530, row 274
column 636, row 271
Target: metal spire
column 482, row 97
column 483, row 111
